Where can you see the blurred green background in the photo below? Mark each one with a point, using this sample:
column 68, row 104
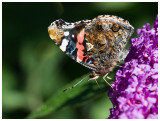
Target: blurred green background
column 35, row 71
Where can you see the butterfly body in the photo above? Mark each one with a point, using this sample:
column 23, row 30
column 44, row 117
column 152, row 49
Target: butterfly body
column 97, row 44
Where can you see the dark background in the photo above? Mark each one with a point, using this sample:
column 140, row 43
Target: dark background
column 35, row 69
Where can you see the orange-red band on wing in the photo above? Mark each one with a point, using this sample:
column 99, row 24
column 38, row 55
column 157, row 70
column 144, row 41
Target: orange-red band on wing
column 80, row 47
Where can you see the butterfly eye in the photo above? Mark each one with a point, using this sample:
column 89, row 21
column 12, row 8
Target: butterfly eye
column 115, row 28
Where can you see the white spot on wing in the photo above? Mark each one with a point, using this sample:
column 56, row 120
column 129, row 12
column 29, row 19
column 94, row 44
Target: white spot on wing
column 64, row 44
column 66, row 33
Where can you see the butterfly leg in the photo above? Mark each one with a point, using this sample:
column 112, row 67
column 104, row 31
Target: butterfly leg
column 107, row 81
column 109, row 78
column 93, row 76
column 120, row 66
column 97, row 83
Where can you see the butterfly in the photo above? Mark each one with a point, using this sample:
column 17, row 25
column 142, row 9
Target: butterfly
column 98, row 44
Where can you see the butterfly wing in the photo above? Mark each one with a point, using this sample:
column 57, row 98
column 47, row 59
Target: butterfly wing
column 70, row 39
column 108, row 35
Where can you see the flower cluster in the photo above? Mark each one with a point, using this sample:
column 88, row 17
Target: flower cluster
column 135, row 92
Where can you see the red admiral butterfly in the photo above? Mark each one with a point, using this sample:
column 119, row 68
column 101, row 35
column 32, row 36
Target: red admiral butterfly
column 97, row 44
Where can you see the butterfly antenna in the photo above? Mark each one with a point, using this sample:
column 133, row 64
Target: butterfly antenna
column 76, row 83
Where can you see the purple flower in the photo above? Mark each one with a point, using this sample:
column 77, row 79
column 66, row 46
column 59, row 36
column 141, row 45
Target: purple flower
column 135, row 94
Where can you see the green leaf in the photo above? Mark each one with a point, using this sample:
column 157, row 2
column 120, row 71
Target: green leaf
column 83, row 93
